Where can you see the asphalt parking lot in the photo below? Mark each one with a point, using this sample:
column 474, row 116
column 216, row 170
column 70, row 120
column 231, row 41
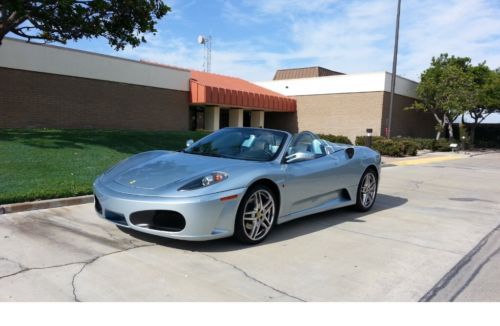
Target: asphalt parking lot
column 433, row 234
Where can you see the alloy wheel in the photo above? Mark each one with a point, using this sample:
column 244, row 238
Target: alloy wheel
column 258, row 215
column 368, row 189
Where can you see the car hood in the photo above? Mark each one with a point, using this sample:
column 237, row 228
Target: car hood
column 154, row 173
column 162, row 170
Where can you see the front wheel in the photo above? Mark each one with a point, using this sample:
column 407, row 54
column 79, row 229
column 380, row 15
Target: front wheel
column 256, row 215
column 367, row 191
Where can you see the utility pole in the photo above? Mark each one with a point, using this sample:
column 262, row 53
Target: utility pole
column 393, row 77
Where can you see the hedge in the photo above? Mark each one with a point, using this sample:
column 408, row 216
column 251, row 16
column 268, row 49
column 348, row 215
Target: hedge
column 398, row 147
column 404, row 146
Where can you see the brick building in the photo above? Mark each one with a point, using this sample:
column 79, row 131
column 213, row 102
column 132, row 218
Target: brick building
column 334, row 103
column 55, row 87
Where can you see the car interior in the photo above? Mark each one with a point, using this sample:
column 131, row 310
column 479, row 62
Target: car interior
column 306, row 142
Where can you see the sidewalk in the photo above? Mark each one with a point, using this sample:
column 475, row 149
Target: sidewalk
column 424, row 157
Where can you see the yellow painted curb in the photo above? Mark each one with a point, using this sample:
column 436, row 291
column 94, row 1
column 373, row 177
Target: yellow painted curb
column 426, row 160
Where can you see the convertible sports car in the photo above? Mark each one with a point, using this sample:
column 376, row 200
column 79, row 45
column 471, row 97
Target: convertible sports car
column 236, row 181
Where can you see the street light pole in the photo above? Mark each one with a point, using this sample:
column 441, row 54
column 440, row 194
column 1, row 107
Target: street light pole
column 393, row 76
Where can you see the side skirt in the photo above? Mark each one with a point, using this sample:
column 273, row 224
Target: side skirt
column 338, row 202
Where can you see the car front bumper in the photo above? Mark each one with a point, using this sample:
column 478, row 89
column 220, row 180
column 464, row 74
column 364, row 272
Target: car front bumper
column 206, row 217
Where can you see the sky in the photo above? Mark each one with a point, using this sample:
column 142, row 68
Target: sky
column 253, row 38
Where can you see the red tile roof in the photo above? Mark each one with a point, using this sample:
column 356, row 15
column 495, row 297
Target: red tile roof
column 213, row 89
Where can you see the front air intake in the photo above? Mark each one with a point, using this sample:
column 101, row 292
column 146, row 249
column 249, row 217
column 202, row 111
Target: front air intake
column 161, row 220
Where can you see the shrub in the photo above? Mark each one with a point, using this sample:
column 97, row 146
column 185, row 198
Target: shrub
column 389, row 147
column 404, row 146
column 336, row 139
column 392, row 147
column 422, row 143
column 360, row 140
column 425, row 143
column 410, row 147
column 441, row 145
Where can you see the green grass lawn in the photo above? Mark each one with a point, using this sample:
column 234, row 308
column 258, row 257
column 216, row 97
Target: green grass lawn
column 51, row 163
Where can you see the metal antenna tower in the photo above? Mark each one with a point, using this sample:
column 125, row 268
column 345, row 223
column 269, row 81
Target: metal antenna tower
column 206, row 41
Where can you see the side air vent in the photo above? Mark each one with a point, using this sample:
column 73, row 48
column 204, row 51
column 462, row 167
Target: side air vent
column 97, row 206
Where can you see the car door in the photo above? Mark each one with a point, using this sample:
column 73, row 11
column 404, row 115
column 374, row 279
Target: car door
column 346, row 168
column 311, row 182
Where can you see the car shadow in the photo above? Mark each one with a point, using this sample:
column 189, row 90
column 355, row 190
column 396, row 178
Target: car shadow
column 296, row 228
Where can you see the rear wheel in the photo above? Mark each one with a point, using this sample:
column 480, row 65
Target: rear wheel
column 256, row 215
column 367, row 191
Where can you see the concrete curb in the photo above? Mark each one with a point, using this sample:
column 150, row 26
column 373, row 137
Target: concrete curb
column 42, row 204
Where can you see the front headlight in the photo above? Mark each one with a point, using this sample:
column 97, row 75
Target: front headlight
column 208, row 180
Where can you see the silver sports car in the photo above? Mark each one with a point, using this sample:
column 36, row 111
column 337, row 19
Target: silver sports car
column 236, row 182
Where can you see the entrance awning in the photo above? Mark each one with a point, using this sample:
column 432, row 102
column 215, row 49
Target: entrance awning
column 218, row 90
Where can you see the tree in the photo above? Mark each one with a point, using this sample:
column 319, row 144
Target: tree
column 488, row 96
column 446, row 90
column 121, row 22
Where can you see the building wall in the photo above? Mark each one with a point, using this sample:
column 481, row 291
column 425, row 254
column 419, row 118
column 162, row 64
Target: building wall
column 347, row 114
column 18, row 54
column 342, row 84
column 410, row 123
column 352, row 113
column 349, row 104
column 33, row 99
column 281, row 121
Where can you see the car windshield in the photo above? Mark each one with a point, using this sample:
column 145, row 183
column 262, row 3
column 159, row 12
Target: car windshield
column 241, row 143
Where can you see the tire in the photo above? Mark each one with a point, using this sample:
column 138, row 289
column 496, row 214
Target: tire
column 367, row 191
column 256, row 215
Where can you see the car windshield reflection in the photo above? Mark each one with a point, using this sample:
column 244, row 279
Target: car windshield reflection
column 241, row 143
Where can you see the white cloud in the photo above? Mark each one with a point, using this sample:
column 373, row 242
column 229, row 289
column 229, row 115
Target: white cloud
column 179, row 8
column 237, row 15
column 281, row 7
column 348, row 36
column 463, row 28
column 360, row 36
column 353, row 40
column 167, row 49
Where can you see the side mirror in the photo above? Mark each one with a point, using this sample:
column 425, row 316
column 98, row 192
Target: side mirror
column 189, row 143
column 350, row 152
column 299, row 156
